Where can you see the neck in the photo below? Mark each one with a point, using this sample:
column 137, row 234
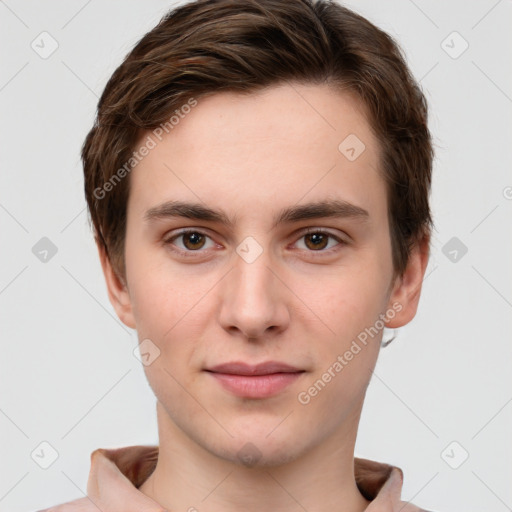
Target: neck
column 189, row 477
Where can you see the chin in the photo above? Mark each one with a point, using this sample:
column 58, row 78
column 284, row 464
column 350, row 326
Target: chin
column 253, row 448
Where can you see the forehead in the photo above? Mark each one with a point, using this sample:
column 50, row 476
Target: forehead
column 283, row 115
column 289, row 140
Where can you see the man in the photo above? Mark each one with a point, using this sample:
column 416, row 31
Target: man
column 258, row 179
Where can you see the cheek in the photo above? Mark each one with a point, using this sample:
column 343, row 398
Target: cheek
column 171, row 308
column 350, row 301
column 169, row 312
column 345, row 356
column 349, row 304
column 160, row 295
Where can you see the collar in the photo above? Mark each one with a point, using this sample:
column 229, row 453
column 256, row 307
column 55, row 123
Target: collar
column 116, row 474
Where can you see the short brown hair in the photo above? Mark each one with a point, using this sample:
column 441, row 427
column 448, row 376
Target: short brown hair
column 208, row 46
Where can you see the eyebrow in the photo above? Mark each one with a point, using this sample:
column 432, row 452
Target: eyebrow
column 333, row 208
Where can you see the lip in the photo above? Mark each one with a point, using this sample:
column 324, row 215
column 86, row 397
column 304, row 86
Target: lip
column 255, row 381
column 266, row 368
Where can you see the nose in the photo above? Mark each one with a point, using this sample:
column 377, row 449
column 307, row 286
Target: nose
column 253, row 299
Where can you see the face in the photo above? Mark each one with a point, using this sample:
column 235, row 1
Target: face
column 285, row 269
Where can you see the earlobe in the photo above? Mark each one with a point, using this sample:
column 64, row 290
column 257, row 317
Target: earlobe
column 117, row 291
column 407, row 289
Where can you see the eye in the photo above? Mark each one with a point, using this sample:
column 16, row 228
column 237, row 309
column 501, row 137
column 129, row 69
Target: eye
column 192, row 241
column 316, row 240
column 195, row 241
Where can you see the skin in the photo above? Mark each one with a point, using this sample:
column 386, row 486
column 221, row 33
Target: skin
column 251, row 156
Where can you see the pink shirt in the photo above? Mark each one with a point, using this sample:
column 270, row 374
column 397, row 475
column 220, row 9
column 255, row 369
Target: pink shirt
column 116, row 474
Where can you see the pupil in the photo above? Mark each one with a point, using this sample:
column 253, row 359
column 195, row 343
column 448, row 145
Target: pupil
column 194, row 239
column 317, row 240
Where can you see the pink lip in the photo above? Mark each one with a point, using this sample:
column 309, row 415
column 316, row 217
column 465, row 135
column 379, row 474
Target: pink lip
column 259, row 381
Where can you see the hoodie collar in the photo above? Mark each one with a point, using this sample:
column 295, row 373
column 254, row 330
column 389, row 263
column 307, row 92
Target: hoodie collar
column 116, row 474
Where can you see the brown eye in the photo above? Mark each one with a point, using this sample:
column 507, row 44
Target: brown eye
column 193, row 240
column 316, row 241
column 189, row 241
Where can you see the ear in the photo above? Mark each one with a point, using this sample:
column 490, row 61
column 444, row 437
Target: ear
column 407, row 289
column 117, row 290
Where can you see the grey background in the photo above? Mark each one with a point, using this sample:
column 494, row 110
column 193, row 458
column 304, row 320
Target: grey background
column 68, row 375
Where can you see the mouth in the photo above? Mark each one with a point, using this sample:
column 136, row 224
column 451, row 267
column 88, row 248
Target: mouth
column 255, row 381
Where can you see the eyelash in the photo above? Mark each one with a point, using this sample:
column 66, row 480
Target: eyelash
column 308, row 231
